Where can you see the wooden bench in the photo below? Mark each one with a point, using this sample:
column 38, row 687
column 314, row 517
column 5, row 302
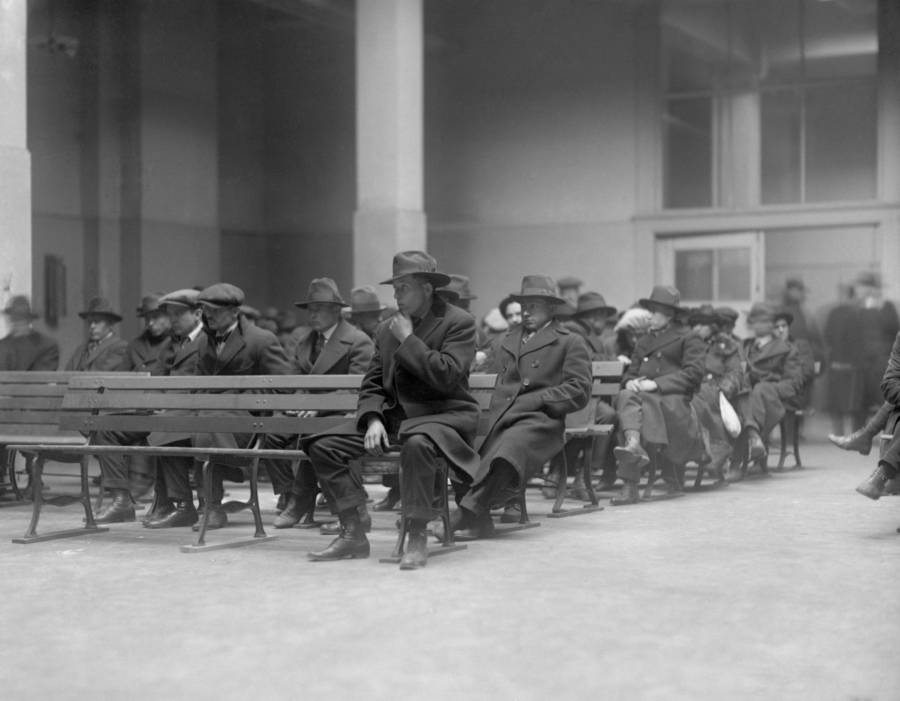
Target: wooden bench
column 30, row 404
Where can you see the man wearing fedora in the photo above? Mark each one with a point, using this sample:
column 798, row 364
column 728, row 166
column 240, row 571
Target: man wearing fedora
column 144, row 350
column 415, row 391
column 330, row 346
column 773, row 375
column 26, row 348
column 654, row 404
column 545, row 373
column 103, row 350
column 232, row 346
column 365, row 309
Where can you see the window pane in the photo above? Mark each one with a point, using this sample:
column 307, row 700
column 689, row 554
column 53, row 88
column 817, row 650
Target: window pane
column 694, row 274
column 688, row 135
column 695, row 45
column 734, row 274
column 840, row 39
column 780, row 60
column 841, row 142
column 780, row 150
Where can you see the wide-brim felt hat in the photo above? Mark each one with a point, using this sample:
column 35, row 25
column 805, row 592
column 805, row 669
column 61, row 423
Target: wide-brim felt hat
column 149, row 304
column 417, row 263
column 222, row 294
column 460, row 285
column 188, row 297
column 19, row 308
column 704, row 314
column 448, row 295
column 569, row 281
column 538, row 287
column 663, row 296
column 322, row 290
column 590, row 302
column 761, row 310
column 364, row 300
column 100, row 306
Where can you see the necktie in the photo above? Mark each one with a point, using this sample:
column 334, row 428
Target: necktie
column 318, row 345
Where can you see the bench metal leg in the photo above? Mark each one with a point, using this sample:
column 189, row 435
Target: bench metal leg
column 561, row 488
column 795, row 439
column 37, row 483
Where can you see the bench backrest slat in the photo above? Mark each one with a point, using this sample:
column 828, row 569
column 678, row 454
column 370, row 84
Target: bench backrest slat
column 212, row 423
column 77, row 400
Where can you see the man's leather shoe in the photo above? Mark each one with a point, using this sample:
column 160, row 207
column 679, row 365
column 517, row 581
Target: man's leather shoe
column 511, row 514
column 756, row 446
column 351, row 543
column 217, row 519
column 416, row 554
column 181, row 516
column 460, row 519
column 297, row 507
column 860, row 441
column 163, row 508
column 873, row 485
column 334, row 528
column 629, row 494
column 632, row 453
column 390, row 501
column 120, row 510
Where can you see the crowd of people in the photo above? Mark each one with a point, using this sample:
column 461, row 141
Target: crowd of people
column 691, row 391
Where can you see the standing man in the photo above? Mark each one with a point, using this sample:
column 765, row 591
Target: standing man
column 545, row 373
column 104, row 350
column 233, row 346
column 415, row 391
column 332, row 347
column 25, row 348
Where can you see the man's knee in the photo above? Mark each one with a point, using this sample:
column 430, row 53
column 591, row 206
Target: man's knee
column 416, row 446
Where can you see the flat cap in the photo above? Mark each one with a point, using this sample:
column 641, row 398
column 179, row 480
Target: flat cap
column 187, row 297
column 222, row 294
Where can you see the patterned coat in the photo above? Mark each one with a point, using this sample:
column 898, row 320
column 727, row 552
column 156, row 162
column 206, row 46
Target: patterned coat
column 107, row 356
column 537, row 385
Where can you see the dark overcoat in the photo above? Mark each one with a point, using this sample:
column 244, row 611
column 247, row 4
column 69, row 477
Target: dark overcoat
column 421, row 386
column 33, row 351
column 143, row 353
column 673, row 358
column 537, row 385
column 890, row 385
column 106, row 356
column 777, row 362
column 348, row 351
column 723, row 372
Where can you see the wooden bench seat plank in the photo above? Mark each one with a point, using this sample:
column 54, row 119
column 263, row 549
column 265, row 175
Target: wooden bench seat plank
column 176, row 401
column 229, row 383
column 166, row 423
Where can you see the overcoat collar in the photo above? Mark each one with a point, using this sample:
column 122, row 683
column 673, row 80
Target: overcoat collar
column 335, row 348
column 233, row 344
column 775, row 348
column 100, row 349
column 426, row 326
column 512, row 343
column 656, row 341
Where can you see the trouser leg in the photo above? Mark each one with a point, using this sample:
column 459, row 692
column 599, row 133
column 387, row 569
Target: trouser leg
column 419, row 472
column 280, row 471
column 497, row 488
column 114, row 468
column 330, row 457
column 174, row 477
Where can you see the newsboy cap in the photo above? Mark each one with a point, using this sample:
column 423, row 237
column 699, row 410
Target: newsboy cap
column 188, row 297
column 222, row 294
column 322, row 290
column 417, row 263
column 663, row 296
column 590, row 302
column 19, row 308
column 538, row 287
column 100, row 306
column 365, row 299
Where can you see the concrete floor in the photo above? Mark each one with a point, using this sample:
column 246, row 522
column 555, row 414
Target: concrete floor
column 775, row 588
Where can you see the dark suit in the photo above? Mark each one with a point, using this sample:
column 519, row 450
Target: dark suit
column 33, row 351
column 538, row 384
column 107, row 355
column 722, row 373
column 774, row 376
column 890, row 388
column 143, row 352
column 674, row 359
column 419, row 390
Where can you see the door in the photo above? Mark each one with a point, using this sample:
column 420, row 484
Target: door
column 716, row 269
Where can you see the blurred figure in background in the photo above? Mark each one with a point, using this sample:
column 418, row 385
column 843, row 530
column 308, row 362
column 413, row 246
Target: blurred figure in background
column 804, row 326
column 878, row 327
column 25, row 348
column 843, row 331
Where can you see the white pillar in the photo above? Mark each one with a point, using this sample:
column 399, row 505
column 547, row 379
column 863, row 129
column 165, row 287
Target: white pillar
column 389, row 127
column 15, row 160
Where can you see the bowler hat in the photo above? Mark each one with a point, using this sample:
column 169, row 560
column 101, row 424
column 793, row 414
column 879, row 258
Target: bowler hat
column 761, row 311
column 704, row 314
column 149, row 303
column 365, row 299
column 417, row 263
column 663, row 296
column 568, row 281
column 784, row 314
column 728, row 314
column 460, row 285
column 188, row 297
column 590, row 302
column 100, row 306
column 222, row 294
column 322, row 290
column 19, row 308
column 538, row 287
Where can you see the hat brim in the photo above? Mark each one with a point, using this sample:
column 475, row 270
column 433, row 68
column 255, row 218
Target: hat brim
column 647, row 303
column 305, row 303
column 449, row 295
column 12, row 314
column 590, row 310
column 436, row 279
column 704, row 319
column 550, row 299
column 108, row 315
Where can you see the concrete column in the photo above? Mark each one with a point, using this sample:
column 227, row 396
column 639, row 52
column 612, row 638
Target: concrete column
column 889, row 140
column 389, row 127
column 15, row 160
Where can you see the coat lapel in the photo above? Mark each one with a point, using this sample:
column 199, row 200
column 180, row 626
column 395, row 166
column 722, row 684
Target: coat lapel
column 664, row 339
column 233, row 344
column 99, row 350
column 334, row 350
column 544, row 337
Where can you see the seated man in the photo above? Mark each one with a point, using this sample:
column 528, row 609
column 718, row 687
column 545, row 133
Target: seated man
column 545, row 373
column 26, row 348
column 104, row 350
column 889, row 464
column 416, row 389
column 773, row 375
column 332, row 346
column 808, row 364
column 654, row 405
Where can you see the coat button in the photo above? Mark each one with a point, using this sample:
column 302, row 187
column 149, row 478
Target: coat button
column 526, row 382
column 646, row 360
column 659, row 355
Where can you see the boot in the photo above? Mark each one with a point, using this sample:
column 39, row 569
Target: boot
column 296, row 508
column 512, row 513
column 217, row 517
column 182, row 515
column 873, row 485
column 755, row 445
column 120, row 509
column 629, row 494
column 416, row 555
column 351, row 542
column 163, row 508
column 632, row 452
column 335, row 528
column 860, row 441
column 389, row 502
column 477, row 526
column 578, row 489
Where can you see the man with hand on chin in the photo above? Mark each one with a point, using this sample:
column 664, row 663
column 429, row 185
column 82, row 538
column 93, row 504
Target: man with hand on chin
column 415, row 392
